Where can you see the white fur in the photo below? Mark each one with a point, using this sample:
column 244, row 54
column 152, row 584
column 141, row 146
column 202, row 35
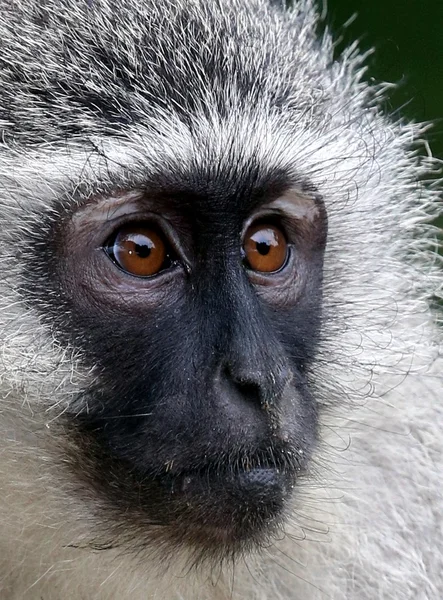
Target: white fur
column 366, row 521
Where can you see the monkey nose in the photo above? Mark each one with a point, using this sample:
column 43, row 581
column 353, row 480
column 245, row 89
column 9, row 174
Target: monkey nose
column 259, row 386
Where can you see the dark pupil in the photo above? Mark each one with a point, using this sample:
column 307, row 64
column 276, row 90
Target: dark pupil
column 263, row 248
column 143, row 251
column 141, row 245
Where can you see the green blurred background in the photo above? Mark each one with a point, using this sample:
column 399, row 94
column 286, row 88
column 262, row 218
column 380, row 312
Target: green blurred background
column 408, row 39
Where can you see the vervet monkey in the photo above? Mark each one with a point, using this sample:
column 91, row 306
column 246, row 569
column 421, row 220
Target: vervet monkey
column 220, row 372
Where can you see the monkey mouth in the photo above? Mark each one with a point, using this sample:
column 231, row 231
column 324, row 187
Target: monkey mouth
column 225, row 508
column 225, row 503
column 262, row 482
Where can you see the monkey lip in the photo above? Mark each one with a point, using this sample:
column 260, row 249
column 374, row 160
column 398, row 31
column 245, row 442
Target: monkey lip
column 231, row 505
column 261, row 480
column 230, row 508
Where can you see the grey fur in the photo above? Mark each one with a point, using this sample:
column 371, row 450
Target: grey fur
column 366, row 522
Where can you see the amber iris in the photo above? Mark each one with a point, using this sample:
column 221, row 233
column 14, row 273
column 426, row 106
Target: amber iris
column 265, row 247
column 138, row 249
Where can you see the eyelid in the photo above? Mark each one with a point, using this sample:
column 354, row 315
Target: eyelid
column 267, row 217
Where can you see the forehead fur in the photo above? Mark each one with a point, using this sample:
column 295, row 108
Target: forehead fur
column 126, row 61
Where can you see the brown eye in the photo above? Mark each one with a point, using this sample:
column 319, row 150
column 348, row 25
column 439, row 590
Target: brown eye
column 139, row 250
column 266, row 248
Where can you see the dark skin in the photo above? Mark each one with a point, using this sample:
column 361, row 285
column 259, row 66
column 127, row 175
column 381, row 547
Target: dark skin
column 199, row 307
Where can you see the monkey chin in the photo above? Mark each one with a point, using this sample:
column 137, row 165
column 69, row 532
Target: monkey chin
column 225, row 513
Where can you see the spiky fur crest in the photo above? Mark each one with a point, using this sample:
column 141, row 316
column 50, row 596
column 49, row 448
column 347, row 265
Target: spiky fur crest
column 366, row 520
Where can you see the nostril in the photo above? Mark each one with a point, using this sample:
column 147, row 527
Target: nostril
column 249, row 391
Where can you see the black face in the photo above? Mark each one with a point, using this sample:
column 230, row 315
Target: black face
column 198, row 305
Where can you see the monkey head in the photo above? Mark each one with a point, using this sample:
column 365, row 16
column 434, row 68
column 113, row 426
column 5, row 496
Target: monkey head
column 190, row 197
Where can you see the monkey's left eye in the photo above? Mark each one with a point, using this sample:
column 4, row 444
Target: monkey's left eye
column 265, row 248
column 139, row 249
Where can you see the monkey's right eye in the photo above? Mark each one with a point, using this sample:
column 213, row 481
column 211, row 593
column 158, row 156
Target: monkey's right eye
column 139, row 249
column 265, row 248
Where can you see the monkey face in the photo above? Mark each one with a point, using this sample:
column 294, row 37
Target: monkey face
column 197, row 302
